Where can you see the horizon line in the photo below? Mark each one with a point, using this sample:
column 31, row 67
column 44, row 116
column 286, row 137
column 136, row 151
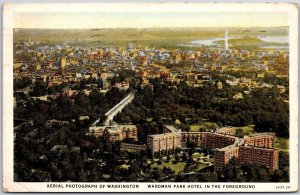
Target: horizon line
column 150, row 27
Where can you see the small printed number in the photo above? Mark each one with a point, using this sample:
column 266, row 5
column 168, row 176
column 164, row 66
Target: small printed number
column 282, row 187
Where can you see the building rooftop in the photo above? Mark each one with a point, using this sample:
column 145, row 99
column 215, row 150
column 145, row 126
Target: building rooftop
column 219, row 134
column 172, row 128
column 259, row 148
column 230, row 147
column 260, row 135
column 165, row 134
column 112, row 127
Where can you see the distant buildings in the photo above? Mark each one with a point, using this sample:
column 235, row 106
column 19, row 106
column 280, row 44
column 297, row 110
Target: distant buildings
column 38, row 66
column 63, row 63
column 80, row 63
column 122, row 86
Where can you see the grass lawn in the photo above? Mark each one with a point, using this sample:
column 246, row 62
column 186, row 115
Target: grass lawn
column 200, row 166
column 180, row 165
column 149, row 119
column 205, row 125
column 176, row 167
column 282, row 144
column 247, row 130
column 199, row 155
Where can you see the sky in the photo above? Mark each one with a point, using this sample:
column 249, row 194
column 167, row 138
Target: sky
column 136, row 19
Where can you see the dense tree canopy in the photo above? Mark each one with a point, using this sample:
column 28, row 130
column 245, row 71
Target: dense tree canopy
column 166, row 103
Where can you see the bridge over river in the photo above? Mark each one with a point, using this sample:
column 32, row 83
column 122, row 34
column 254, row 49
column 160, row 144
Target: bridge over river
column 116, row 109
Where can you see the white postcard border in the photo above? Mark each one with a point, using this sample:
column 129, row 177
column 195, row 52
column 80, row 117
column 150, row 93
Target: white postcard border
column 8, row 24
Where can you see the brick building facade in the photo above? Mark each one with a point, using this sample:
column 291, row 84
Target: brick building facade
column 164, row 141
column 268, row 157
column 263, row 140
column 207, row 139
column 126, row 146
column 256, row 149
column 116, row 132
column 222, row 156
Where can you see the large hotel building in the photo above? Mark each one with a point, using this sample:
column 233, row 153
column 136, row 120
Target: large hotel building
column 256, row 149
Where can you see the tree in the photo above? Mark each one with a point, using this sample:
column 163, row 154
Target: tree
column 39, row 89
column 184, row 156
column 207, row 176
column 230, row 172
column 239, row 133
column 177, row 157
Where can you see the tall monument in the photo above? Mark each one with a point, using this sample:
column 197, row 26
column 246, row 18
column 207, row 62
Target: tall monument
column 226, row 40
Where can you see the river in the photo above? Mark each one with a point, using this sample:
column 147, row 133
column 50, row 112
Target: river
column 267, row 39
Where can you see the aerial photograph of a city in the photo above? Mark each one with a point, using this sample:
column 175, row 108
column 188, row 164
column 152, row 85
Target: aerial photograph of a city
column 203, row 100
